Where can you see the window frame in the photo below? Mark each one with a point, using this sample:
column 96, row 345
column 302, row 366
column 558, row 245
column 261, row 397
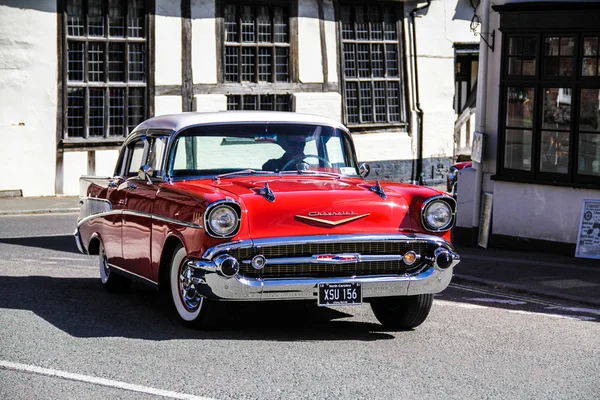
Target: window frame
column 107, row 140
column 576, row 82
column 403, row 105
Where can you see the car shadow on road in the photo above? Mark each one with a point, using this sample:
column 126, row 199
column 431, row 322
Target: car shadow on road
column 64, row 243
column 82, row 308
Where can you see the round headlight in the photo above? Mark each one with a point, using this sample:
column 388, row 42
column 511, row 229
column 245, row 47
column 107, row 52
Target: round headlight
column 437, row 215
column 223, row 220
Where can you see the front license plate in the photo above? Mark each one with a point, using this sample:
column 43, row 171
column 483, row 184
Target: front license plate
column 340, row 294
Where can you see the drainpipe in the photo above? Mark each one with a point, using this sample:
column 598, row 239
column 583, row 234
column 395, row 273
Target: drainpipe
column 419, row 171
column 480, row 117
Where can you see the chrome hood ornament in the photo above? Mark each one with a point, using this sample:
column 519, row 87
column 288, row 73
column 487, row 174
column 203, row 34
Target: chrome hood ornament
column 267, row 193
column 354, row 217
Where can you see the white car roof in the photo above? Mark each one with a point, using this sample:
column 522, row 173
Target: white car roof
column 179, row 121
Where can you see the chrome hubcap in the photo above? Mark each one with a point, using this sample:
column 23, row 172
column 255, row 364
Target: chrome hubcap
column 104, row 265
column 189, row 296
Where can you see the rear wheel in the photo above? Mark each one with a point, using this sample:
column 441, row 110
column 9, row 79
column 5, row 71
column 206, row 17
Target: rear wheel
column 404, row 312
column 193, row 309
column 110, row 280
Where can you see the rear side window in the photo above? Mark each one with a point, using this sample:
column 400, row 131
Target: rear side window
column 136, row 157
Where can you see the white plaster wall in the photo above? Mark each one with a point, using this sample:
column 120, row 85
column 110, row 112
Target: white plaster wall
column 383, row 146
column 538, row 211
column 74, row 165
column 106, row 161
column 210, row 102
column 204, row 42
column 28, row 95
column 164, row 105
column 325, row 104
column 168, row 43
column 309, row 42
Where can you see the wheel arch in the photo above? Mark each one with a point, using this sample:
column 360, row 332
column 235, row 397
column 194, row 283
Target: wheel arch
column 94, row 245
column 169, row 247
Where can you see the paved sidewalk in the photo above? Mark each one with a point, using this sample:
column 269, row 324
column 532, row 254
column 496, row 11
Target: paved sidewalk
column 549, row 275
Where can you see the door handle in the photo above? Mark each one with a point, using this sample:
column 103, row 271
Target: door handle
column 132, row 186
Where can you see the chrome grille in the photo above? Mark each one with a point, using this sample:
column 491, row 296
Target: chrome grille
column 423, row 248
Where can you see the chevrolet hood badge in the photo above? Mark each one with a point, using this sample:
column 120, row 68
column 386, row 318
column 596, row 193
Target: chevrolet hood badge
column 331, row 223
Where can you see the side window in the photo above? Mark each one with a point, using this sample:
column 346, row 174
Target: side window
column 136, row 151
column 156, row 153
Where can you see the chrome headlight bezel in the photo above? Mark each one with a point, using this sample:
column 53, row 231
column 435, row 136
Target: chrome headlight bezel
column 429, row 204
column 228, row 206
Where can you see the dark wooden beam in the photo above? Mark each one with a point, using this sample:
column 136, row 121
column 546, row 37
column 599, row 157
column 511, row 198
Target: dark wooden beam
column 187, row 91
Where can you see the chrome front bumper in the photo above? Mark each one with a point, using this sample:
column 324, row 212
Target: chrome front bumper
column 211, row 283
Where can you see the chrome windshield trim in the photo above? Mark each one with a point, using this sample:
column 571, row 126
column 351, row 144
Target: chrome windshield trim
column 297, row 240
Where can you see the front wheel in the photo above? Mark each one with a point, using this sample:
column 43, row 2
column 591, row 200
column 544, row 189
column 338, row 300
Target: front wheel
column 402, row 313
column 193, row 309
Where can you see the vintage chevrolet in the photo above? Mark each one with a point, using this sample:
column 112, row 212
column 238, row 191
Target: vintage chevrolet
column 253, row 206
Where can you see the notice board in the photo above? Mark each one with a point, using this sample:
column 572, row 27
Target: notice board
column 588, row 238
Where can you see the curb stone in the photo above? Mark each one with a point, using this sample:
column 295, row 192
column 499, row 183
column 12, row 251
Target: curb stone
column 42, row 211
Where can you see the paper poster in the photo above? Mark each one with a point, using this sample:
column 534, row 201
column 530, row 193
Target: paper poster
column 588, row 239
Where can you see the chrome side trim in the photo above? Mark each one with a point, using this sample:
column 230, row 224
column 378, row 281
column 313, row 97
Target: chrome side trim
column 78, row 241
column 133, row 275
column 161, row 218
column 296, row 240
column 98, row 215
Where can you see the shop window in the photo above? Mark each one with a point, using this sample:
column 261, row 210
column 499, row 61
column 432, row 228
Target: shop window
column 549, row 129
column 105, row 74
column 371, row 55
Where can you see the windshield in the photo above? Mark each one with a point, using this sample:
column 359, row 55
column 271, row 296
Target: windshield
column 221, row 149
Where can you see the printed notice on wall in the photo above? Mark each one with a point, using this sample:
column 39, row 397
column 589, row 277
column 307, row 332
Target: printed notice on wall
column 588, row 239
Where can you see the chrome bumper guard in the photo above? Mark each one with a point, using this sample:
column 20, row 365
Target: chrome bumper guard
column 434, row 277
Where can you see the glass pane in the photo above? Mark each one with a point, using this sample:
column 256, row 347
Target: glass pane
column 250, row 102
column 347, row 22
column 528, row 67
column 364, row 70
column 136, row 158
column 567, row 44
column 75, row 18
column 554, row 152
column 590, row 46
column 550, row 66
column 514, row 66
column 394, row 101
column 529, row 47
column 75, row 101
column 376, row 22
column 116, row 18
column 231, row 64
column 366, row 105
column 96, row 62
column 280, row 26
column 589, row 66
column 95, row 18
column 233, row 102
column 135, row 11
column 552, row 46
column 263, row 22
column 136, row 62
column 519, row 107
column 377, row 60
column 389, row 23
column 379, row 99
column 264, row 64
column 75, row 61
column 96, row 112
column 515, row 46
column 362, row 24
column 282, row 102
column 517, row 149
column 116, row 112
column 248, row 64
column 248, row 35
column 352, row 102
column 230, row 23
column 349, row 60
column 282, row 64
column 391, row 60
column 589, row 154
column 557, row 108
column 136, row 107
column 565, row 66
column 156, row 154
column 116, row 62
column 589, row 110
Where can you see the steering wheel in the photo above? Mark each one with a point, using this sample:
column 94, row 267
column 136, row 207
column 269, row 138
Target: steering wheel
column 287, row 164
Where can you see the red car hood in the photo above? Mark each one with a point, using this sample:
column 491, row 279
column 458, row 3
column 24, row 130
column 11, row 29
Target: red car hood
column 313, row 205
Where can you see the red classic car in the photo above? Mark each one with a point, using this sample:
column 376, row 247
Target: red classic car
column 452, row 177
column 244, row 206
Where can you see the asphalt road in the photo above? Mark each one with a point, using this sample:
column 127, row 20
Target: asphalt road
column 63, row 337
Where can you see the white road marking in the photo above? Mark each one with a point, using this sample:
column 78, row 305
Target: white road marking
column 68, row 258
column 97, row 381
column 501, row 301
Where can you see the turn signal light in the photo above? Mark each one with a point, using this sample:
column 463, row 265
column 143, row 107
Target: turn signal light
column 410, row 257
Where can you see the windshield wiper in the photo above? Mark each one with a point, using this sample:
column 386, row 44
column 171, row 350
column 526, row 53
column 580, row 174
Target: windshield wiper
column 242, row 172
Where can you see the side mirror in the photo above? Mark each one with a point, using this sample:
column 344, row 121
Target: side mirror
column 364, row 170
column 145, row 173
